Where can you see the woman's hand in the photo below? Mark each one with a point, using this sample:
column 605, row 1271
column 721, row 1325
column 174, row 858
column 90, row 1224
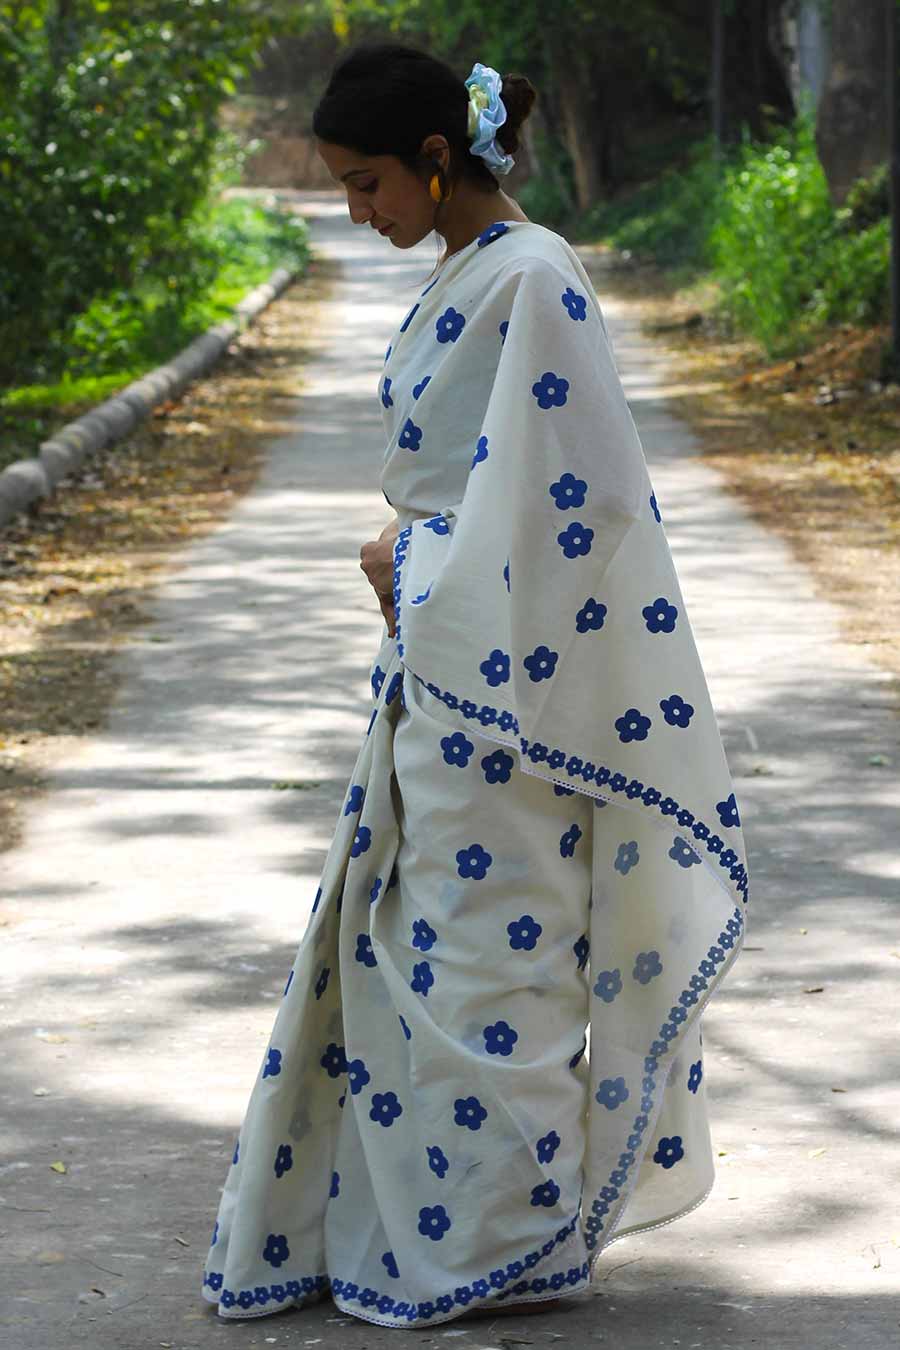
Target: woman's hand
column 377, row 561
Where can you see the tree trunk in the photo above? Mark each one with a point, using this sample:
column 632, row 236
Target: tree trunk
column 852, row 122
column 573, row 91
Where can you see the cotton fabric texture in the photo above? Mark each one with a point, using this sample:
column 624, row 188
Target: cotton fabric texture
column 487, row 1063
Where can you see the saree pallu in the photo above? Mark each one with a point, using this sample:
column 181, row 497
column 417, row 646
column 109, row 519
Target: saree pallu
column 487, row 1063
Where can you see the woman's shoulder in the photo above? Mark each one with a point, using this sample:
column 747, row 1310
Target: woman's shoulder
column 531, row 247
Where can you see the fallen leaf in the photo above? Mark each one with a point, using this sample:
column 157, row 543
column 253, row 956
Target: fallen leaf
column 58, row 1167
column 182, row 1241
column 816, row 989
column 839, row 1089
column 816, row 1152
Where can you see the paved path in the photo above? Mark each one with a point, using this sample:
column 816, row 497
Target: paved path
column 164, row 883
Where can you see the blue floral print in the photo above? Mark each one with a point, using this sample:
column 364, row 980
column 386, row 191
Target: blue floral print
column 473, row 861
column 355, row 800
column 546, row 1194
column 273, row 1064
column 496, row 668
column 410, row 437
column 677, row 712
column 437, row 1161
column 406, row 1031
column 322, row 981
column 541, row 663
column 612, row 1092
column 409, row 318
column 364, row 953
column 334, row 1060
column 627, row 856
column 495, row 231
column 385, row 1108
column 546, row 1147
column 590, row 617
column 386, row 398
column 582, row 950
column 608, row 984
column 497, row 767
column 660, row 616
column 550, row 390
column 433, row 1222
column 524, row 933
column 469, row 1112
column 361, row 841
column 568, row 491
column 424, row 936
column 575, row 303
column 500, row 1038
column 568, row 841
column 481, row 451
column 449, row 325
column 575, row 540
column 438, row 524
column 423, row 978
column 457, row 749
column 276, row 1250
column 284, row 1160
column 632, row 725
column 390, row 1265
column 646, row 966
column 669, row 1151
column 335, row 1188
column 357, row 1075
column 419, row 388
column 696, row 1076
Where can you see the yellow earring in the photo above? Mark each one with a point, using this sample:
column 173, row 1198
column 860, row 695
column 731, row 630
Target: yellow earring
column 434, row 187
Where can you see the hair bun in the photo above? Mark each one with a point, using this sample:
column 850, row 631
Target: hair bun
column 518, row 94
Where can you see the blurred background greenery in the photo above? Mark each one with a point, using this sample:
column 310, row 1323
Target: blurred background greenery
column 715, row 136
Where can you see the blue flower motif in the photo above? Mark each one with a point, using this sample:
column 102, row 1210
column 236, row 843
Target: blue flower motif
column 545, row 1194
column 449, row 325
column 364, row 953
column 660, row 616
column 550, row 390
column 358, row 1075
column 612, row 1092
column 457, row 749
column 541, row 663
column 322, row 981
column 334, row 1060
column 424, row 936
column 410, row 437
column 377, row 680
column 678, row 713
column 524, row 933
column 433, row 1222
column 215, row 1236
column 437, row 523
column 546, row 1147
column 499, row 1038
column 655, row 508
column 284, row 1160
column 373, row 893
column 568, row 491
column 406, row 1031
column 423, row 978
column 582, row 950
column 385, row 1108
column 388, row 352
column 682, row 853
column 669, row 1152
column 289, row 982
column 423, row 596
column 237, row 1148
column 646, row 966
column 503, row 329
column 276, row 1250
column 417, row 388
column 728, row 811
column 632, row 725
column 568, row 841
column 335, row 1187
column 627, row 856
column 492, row 232
column 473, row 861
column 385, row 392
column 609, row 983
column 355, row 800
column 481, row 451
column 497, row 767
column 273, row 1064
column 496, row 668
column 437, row 1161
column 390, row 694
column 361, row 841
column 389, row 1262
column 469, row 1112
column 696, row 1076
column 575, row 539
column 575, row 303
column 590, row 616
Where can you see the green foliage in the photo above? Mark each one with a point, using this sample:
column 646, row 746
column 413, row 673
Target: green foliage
column 668, row 217
column 108, row 127
column 785, row 259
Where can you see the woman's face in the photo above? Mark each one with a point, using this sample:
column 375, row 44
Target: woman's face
column 381, row 192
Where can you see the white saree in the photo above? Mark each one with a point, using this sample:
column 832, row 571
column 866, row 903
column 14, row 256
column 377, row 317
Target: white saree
column 487, row 1064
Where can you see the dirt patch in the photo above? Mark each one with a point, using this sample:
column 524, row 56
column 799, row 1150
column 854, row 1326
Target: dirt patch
column 74, row 577
column 810, row 445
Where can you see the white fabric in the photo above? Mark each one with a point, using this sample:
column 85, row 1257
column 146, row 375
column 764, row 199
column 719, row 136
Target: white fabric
column 540, row 849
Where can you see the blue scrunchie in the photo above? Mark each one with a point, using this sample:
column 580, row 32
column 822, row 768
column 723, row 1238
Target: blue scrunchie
column 486, row 114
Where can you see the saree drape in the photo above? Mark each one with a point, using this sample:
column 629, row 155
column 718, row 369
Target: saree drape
column 488, row 1060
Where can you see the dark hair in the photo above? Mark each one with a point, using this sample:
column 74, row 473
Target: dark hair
column 385, row 98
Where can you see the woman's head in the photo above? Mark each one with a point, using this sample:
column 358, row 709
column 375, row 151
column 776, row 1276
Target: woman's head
column 390, row 118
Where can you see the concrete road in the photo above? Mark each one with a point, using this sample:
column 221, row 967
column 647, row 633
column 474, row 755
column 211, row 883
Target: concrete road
column 165, row 881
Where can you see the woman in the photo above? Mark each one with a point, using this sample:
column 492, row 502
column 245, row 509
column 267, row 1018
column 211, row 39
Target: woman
column 540, row 843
